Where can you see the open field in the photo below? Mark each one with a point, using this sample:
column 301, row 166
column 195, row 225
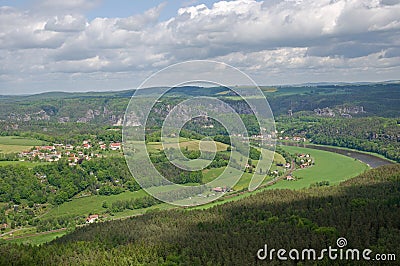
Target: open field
column 354, row 150
column 211, row 174
column 28, row 164
column 38, row 239
column 278, row 158
column 328, row 166
column 91, row 204
column 129, row 213
column 15, row 140
column 243, row 183
column 191, row 145
column 11, row 144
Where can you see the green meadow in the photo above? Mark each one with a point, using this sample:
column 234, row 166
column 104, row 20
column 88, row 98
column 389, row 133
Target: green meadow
column 91, row 204
column 38, row 239
column 28, row 164
column 12, row 144
column 192, row 145
column 328, row 166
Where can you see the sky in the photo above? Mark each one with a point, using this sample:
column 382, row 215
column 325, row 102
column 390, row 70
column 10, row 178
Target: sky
column 102, row 45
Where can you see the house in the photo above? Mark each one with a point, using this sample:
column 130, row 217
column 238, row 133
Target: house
column 25, row 153
column 218, row 189
column 208, row 126
column 72, row 158
column 295, row 138
column 53, row 157
column 86, row 141
column 115, row 146
column 87, row 146
column 103, row 146
column 289, row 178
column 47, row 148
column 69, row 147
column 92, row 218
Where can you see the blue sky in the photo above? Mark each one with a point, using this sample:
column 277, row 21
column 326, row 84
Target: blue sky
column 82, row 45
column 109, row 8
column 121, row 8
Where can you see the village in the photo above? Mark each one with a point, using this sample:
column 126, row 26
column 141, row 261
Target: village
column 302, row 161
column 74, row 154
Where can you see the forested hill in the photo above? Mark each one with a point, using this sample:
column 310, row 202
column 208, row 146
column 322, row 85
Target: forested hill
column 108, row 108
column 365, row 210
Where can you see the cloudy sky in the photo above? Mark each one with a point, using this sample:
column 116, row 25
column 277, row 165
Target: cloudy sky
column 82, row 45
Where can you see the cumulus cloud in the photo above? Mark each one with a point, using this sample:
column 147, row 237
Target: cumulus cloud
column 284, row 38
column 67, row 23
column 20, row 30
column 138, row 22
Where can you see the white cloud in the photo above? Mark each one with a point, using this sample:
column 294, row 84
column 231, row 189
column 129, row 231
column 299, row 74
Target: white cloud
column 280, row 39
column 138, row 22
column 66, row 23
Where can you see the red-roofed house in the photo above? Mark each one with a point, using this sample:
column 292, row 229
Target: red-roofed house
column 86, row 146
column 115, row 146
column 92, row 218
column 48, row 148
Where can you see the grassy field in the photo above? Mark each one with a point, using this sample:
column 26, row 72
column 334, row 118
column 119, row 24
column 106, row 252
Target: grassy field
column 191, row 145
column 24, row 163
column 354, row 150
column 10, row 144
column 278, row 158
column 328, row 166
column 38, row 239
column 211, row 174
column 129, row 213
column 91, row 204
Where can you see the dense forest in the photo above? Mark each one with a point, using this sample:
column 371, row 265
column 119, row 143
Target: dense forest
column 58, row 182
column 365, row 210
